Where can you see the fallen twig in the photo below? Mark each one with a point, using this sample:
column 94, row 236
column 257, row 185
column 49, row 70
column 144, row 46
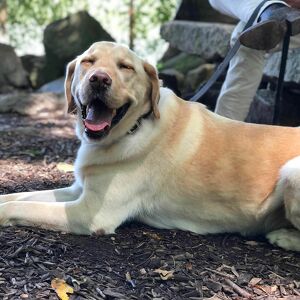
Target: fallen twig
column 221, row 273
column 237, row 289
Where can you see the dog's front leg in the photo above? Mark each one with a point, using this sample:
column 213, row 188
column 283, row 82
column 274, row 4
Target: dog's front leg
column 58, row 195
column 61, row 216
column 86, row 215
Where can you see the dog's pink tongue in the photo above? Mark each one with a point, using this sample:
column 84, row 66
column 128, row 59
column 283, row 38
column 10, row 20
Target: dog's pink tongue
column 98, row 117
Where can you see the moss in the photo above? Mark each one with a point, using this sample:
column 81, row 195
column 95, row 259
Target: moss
column 183, row 63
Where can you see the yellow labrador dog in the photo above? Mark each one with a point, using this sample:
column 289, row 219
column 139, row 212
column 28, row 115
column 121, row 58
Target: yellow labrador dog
column 146, row 154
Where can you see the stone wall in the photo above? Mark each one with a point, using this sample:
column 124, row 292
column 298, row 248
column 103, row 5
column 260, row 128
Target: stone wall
column 12, row 74
column 200, row 44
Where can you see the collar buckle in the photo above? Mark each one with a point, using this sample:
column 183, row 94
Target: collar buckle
column 138, row 123
column 135, row 127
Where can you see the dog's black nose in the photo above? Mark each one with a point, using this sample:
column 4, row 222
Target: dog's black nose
column 100, row 78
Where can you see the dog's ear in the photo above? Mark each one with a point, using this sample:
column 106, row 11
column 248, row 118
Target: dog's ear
column 68, row 82
column 155, row 84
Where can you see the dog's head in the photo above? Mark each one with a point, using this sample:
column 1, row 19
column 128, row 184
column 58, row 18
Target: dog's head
column 113, row 87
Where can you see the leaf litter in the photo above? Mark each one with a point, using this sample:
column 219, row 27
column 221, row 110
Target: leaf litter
column 133, row 263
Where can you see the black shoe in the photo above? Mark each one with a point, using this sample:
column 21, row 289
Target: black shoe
column 271, row 27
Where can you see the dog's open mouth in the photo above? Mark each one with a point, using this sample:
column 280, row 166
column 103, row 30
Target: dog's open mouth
column 100, row 118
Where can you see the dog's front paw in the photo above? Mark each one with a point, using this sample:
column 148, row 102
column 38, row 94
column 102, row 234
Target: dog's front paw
column 288, row 239
column 5, row 198
column 4, row 215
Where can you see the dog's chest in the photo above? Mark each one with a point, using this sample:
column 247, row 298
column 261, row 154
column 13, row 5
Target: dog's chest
column 121, row 182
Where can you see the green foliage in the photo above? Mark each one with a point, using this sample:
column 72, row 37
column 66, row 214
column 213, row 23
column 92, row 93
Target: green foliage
column 27, row 17
column 150, row 13
column 38, row 11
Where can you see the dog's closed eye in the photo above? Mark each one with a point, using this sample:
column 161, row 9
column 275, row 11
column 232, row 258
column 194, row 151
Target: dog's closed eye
column 125, row 66
column 87, row 62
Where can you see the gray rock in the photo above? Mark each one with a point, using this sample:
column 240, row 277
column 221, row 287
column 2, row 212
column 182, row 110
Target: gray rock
column 183, row 62
column 197, row 76
column 179, row 77
column 209, row 40
column 12, row 73
column 35, row 67
column 170, row 53
column 262, row 108
column 31, row 104
column 66, row 38
column 292, row 73
column 55, row 86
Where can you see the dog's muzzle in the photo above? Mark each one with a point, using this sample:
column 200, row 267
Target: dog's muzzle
column 99, row 119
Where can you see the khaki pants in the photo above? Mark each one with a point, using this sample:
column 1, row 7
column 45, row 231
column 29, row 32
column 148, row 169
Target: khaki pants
column 246, row 67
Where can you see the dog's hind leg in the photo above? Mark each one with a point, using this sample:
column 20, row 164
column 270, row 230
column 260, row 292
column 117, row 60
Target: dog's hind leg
column 289, row 238
column 58, row 195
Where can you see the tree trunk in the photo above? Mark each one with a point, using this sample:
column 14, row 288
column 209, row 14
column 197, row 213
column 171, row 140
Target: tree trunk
column 131, row 24
column 3, row 15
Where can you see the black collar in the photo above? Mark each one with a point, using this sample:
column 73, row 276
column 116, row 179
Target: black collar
column 83, row 110
column 138, row 123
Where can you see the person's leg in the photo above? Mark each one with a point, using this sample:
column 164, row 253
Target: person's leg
column 242, row 80
column 246, row 67
column 241, row 9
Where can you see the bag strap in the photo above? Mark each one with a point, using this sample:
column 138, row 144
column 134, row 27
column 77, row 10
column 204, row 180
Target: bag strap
column 280, row 80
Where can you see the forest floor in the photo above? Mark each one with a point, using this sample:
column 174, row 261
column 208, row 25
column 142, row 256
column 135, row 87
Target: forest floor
column 138, row 262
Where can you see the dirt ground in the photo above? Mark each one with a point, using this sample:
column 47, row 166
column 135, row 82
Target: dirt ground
column 138, row 262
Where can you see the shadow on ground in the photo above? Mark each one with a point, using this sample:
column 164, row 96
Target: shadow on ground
column 138, row 262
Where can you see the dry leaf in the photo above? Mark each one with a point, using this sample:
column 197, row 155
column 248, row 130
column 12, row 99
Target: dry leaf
column 251, row 243
column 129, row 279
column 64, row 167
column 61, row 288
column 154, row 236
column 274, row 288
column 164, row 274
column 128, row 276
column 254, row 281
column 188, row 266
column 267, row 289
column 143, row 271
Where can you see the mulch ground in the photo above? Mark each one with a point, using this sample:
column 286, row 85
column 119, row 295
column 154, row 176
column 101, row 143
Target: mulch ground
column 138, row 262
